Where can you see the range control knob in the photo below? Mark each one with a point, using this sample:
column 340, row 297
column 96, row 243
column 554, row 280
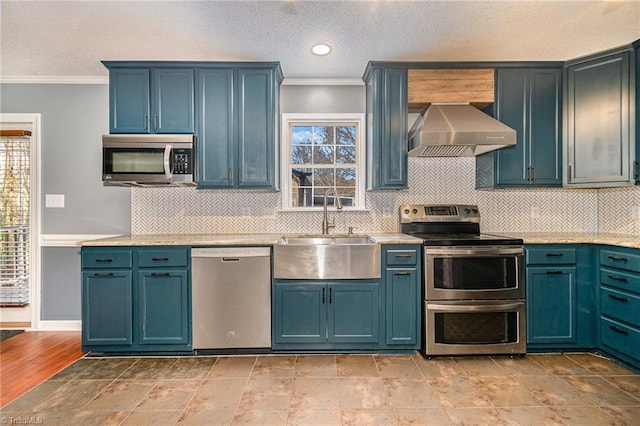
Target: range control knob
column 467, row 211
column 414, row 211
column 406, row 211
column 475, row 211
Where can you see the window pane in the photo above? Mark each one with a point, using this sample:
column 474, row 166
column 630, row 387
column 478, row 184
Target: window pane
column 323, row 135
column 301, row 196
column 323, row 177
column 346, row 135
column 347, row 196
column 318, row 196
column 301, row 135
column 346, row 177
column 345, row 155
column 301, row 155
column 323, row 154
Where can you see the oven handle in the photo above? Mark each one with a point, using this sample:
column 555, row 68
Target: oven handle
column 167, row 162
column 467, row 251
column 476, row 308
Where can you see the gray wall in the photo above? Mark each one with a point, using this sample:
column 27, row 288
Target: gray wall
column 61, row 284
column 74, row 117
column 322, row 99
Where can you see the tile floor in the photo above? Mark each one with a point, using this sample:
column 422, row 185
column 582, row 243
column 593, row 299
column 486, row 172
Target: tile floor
column 576, row 389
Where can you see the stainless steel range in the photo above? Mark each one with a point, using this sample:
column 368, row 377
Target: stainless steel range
column 474, row 284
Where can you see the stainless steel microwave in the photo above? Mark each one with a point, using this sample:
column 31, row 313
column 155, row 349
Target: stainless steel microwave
column 148, row 160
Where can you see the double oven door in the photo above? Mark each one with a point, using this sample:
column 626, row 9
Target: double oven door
column 474, row 300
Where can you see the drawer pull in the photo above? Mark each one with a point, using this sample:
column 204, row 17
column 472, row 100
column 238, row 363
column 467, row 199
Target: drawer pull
column 401, row 273
column 231, row 259
column 159, row 259
column 618, row 258
column 621, row 299
column 619, row 330
column 103, row 274
column 554, row 272
column 404, row 256
column 323, row 295
column 160, row 274
column 104, row 260
column 554, row 255
column 615, row 278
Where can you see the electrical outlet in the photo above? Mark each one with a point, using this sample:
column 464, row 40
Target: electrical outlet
column 635, row 212
column 535, row 212
column 55, row 201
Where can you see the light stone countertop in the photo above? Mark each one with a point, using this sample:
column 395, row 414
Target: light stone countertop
column 224, row 239
column 621, row 240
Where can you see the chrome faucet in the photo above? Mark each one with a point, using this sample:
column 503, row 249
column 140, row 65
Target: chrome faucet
column 325, row 219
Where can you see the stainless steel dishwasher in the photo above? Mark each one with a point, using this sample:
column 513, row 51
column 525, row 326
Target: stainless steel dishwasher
column 231, row 297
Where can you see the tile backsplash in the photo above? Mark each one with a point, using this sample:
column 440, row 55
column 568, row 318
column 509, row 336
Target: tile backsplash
column 431, row 180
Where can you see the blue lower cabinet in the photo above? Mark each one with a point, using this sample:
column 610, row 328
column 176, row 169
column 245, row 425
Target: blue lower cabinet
column 551, row 298
column 325, row 315
column 163, row 309
column 401, row 311
column 136, row 307
column 106, row 308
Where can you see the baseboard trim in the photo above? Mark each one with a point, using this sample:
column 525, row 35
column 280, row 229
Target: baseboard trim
column 49, row 325
column 15, row 325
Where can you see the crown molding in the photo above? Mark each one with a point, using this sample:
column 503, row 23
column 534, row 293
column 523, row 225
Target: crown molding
column 53, row 79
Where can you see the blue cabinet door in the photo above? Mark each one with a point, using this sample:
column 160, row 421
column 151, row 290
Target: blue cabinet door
column 401, row 310
column 300, row 313
column 529, row 101
column 598, row 121
column 387, row 109
column 106, row 307
column 353, row 311
column 216, row 132
column 637, row 117
column 551, row 305
column 129, row 100
column 163, row 307
column 173, row 100
column 256, row 128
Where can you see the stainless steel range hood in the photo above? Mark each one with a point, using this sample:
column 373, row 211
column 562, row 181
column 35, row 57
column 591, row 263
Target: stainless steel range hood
column 457, row 130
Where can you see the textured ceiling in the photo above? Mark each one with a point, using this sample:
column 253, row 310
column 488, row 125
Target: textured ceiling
column 51, row 38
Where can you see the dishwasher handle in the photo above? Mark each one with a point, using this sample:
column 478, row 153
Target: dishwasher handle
column 230, row 254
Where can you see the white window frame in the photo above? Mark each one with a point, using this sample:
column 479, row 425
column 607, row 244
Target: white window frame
column 317, row 119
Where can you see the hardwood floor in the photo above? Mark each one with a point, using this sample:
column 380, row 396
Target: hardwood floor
column 32, row 357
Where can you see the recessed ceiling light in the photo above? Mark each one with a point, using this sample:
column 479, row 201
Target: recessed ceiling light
column 321, row 49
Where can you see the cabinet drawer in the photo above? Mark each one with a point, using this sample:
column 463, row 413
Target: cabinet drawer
column 152, row 258
column 401, row 257
column 621, row 280
column 620, row 260
column 101, row 258
column 620, row 305
column 547, row 256
column 620, row 337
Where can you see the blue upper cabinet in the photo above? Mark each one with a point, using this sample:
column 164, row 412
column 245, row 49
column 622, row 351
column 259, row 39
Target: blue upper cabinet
column 237, row 109
column 636, row 170
column 129, row 100
column 387, row 108
column 216, row 133
column 599, row 124
column 173, row 100
column 529, row 101
column 144, row 99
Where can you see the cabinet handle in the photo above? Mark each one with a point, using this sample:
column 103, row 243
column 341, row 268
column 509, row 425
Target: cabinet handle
column 613, row 277
column 621, row 299
column 533, row 173
column 323, row 295
column 104, row 260
column 159, row 259
column 231, row 259
column 554, row 272
column 635, row 170
column 155, row 121
column 402, row 256
column 618, row 258
column 329, row 295
column 402, row 273
column 160, row 274
column 145, row 121
column 103, row 274
column 618, row 330
column 569, row 174
column 554, row 254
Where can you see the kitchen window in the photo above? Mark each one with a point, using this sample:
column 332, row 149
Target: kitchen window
column 322, row 153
